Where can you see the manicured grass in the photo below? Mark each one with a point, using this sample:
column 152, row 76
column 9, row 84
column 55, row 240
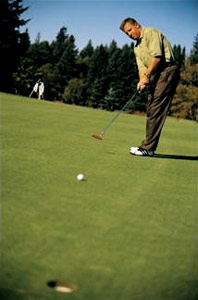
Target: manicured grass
column 126, row 233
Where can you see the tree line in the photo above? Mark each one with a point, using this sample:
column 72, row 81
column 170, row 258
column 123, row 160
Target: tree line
column 102, row 77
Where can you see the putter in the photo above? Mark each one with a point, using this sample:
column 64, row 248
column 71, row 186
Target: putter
column 99, row 136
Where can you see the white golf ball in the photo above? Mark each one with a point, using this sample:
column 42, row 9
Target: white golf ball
column 80, row 177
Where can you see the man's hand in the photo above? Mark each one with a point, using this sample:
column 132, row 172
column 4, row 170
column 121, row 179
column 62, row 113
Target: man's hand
column 144, row 80
column 142, row 84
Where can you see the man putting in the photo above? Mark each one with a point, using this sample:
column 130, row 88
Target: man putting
column 157, row 68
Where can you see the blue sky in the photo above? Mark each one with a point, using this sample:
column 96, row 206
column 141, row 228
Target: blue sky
column 99, row 21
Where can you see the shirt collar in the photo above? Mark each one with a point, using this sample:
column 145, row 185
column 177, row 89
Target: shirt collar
column 141, row 36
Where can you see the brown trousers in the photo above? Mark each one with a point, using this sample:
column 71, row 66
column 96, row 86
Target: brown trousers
column 163, row 87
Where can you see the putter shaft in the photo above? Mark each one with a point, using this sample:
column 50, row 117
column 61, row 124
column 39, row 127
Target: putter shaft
column 99, row 136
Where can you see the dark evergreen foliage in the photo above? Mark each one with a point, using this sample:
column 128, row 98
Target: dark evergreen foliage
column 180, row 55
column 194, row 51
column 13, row 44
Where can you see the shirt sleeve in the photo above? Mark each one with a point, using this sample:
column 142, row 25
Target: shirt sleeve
column 140, row 64
column 155, row 43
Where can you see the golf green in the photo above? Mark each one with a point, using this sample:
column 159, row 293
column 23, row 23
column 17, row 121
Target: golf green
column 127, row 232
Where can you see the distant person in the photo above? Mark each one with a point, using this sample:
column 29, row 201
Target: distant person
column 39, row 89
column 158, row 70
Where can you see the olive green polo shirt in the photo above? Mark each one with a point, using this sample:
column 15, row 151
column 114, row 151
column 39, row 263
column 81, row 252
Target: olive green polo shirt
column 152, row 43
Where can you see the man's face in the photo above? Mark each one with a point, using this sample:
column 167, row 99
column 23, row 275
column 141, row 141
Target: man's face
column 133, row 31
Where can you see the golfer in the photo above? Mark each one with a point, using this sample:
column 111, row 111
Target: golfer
column 158, row 70
column 39, row 88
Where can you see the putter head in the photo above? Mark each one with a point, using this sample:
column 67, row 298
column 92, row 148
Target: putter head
column 97, row 136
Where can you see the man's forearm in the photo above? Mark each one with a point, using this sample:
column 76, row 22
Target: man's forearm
column 154, row 63
column 144, row 74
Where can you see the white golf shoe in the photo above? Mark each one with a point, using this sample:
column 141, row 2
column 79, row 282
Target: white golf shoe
column 141, row 152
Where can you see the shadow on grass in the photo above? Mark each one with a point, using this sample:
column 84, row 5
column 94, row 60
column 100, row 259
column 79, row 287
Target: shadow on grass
column 171, row 156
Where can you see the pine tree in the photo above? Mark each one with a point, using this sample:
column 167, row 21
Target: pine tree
column 84, row 60
column 58, row 46
column 127, row 76
column 87, row 51
column 194, row 51
column 97, row 80
column 64, row 60
column 114, row 61
column 180, row 55
column 13, row 43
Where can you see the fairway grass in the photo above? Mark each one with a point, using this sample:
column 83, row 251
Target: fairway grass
column 126, row 233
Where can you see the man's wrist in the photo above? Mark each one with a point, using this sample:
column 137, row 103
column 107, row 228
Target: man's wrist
column 148, row 75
